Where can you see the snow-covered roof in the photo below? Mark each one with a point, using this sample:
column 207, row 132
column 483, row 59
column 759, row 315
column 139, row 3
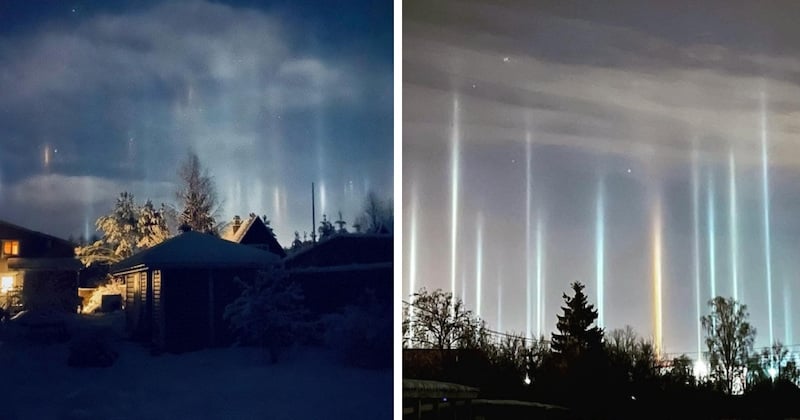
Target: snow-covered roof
column 229, row 235
column 198, row 250
column 45, row 264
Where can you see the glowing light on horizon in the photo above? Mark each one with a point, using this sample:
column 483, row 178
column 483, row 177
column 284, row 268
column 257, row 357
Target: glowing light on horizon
column 734, row 228
column 712, row 246
column 600, row 250
column 479, row 267
column 657, row 314
column 528, row 269
column 454, row 181
column 539, row 297
column 765, row 185
column 696, row 249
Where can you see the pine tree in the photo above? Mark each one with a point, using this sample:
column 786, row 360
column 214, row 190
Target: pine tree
column 152, row 226
column 576, row 336
column 197, row 195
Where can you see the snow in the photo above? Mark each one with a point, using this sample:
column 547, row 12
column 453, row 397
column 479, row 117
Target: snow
column 230, row 383
column 198, row 250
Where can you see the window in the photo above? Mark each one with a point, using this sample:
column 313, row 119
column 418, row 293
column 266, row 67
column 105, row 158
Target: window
column 6, row 283
column 10, row 248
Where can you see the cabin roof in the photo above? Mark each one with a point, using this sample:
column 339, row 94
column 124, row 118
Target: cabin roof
column 197, row 250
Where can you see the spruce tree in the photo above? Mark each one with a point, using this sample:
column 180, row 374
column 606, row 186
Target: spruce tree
column 576, row 336
column 197, row 195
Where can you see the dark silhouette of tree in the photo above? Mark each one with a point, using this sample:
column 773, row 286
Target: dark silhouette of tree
column 197, row 196
column 729, row 338
column 296, row 243
column 436, row 320
column 325, row 228
column 576, row 335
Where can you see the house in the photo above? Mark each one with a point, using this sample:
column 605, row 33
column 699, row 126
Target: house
column 36, row 270
column 177, row 291
column 339, row 270
column 253, row 232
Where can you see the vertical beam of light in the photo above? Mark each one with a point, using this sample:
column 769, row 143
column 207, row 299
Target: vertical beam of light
column 600, row 249
column 500, row 299
column 479, row 266
column 412, row 258
column 712, row 246
column 455, row 138
column 733, row 226
column 46, row 156
column 539, row 297
column 323, row 197
column 528, row 266
column 765, row 200
column 787, row 313
column 657, row 314
column 696, row 228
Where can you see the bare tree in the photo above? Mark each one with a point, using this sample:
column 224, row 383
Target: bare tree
column 729, row 338
column 439, row 321
column 197, row 196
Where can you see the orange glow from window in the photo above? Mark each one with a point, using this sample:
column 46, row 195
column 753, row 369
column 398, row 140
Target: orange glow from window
column 11, row 247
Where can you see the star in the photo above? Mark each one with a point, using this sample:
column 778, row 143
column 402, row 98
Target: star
column 629, row 170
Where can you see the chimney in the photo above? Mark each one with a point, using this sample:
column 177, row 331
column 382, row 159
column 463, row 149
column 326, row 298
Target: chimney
column 237, row 223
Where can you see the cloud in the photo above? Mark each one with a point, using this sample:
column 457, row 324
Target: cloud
column 149, row 73
column 596, row 86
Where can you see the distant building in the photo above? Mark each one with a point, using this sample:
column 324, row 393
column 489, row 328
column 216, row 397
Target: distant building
column 339, row 270
column 253, row 232
column 36, row 270
column 177, row 291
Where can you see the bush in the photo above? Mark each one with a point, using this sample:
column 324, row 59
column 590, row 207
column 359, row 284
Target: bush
column 362, row 334
column 269, row 313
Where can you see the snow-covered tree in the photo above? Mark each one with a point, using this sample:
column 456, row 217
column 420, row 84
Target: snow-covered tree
column 126, row 230
column 152, row 226
column 120, row 234
column 269, row 312
column 197, row 196
column 325, row 228
column 377, row 215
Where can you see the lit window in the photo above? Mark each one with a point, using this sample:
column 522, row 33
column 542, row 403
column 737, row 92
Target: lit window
column 11, row 247
column 6, row 283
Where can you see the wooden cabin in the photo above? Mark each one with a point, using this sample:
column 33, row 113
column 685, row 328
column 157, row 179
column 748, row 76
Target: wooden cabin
column 37, row 271
column 339, row 270
column 177, row 291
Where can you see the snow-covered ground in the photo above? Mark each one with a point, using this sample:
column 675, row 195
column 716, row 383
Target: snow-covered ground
column 230, row 383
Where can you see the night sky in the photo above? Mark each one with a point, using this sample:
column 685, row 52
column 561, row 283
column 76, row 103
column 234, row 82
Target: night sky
column 589, row 141
column 97, row 98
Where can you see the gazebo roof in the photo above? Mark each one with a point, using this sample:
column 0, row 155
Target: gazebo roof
column 197, row 250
